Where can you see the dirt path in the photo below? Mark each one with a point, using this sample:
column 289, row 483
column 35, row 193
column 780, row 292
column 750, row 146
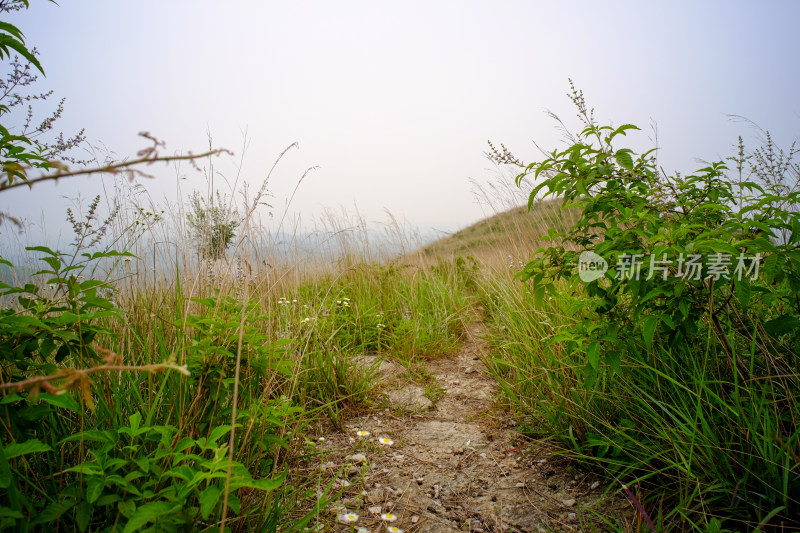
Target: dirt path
column 454, row 465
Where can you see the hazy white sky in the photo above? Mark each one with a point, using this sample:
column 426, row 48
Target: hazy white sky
column 395, row 101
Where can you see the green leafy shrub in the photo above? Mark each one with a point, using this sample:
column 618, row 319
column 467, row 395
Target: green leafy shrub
column 212, row 224
column 687, row 342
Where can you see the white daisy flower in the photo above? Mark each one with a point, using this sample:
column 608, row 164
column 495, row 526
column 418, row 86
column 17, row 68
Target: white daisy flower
column 348, row 518
column 362, row 433
column 389, row 517
column 394, row 529
column 386, row 441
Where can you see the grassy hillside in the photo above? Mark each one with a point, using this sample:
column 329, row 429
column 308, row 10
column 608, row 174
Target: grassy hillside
column 501, row 239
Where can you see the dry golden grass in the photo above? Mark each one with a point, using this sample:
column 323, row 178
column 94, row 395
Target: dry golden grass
column 506, row 238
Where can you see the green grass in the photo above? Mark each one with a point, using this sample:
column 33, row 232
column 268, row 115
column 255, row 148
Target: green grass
column 299, row 347
column 707, row 450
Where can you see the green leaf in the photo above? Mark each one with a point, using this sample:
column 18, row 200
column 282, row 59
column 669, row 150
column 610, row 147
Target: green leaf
column 15, row 42
column 589, row 375
column 94, row 435
column 782, row 324
column 65, row 401
column 134, row 420
column 149, row 512
column 649, row 328
column 143, row 463
column 217, row 433
column 614, row 360
column 593, row 354
column 11, row 398
column 208, row 500
column 84, row 515
column 94, row 488
column 43, row 249
column 16, row 449
column 624, row 158
column 127, row 508
column 87, row 469
column 5, row 512
column 53, row 512
column 743, row 292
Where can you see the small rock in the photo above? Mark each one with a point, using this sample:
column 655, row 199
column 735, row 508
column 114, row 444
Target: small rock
column 420, row 481
column 353, row 471
column 595, row 485
column 469, row 370
column 569, row 503
column 414, row 519
column 375, row 509
column 357, row 458
column 520, row 485
column 572, row 516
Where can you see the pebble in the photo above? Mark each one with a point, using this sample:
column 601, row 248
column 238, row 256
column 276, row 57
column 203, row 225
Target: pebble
column 375, row 509
column 572, row 516
column 595, row 485
column 414, row 519
column 357, row 458
column 569, row 503
column 520, row 485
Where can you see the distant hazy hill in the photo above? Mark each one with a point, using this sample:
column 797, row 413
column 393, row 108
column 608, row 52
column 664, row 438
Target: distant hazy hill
column 512, row 234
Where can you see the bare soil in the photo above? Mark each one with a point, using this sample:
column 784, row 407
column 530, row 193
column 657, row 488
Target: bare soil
column 457, row 464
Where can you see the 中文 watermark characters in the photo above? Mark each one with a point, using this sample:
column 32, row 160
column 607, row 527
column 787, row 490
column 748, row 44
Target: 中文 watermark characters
column 592, row 266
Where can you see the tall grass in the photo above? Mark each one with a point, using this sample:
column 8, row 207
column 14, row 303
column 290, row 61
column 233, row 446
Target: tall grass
column 703, row 449
column 276, row 338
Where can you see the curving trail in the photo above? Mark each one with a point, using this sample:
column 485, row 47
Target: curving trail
column 456, row 466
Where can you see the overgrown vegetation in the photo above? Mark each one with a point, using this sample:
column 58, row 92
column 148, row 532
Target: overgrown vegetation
column 676, row 368
column 171, row 388
column 133, row 398
column 212, row 224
